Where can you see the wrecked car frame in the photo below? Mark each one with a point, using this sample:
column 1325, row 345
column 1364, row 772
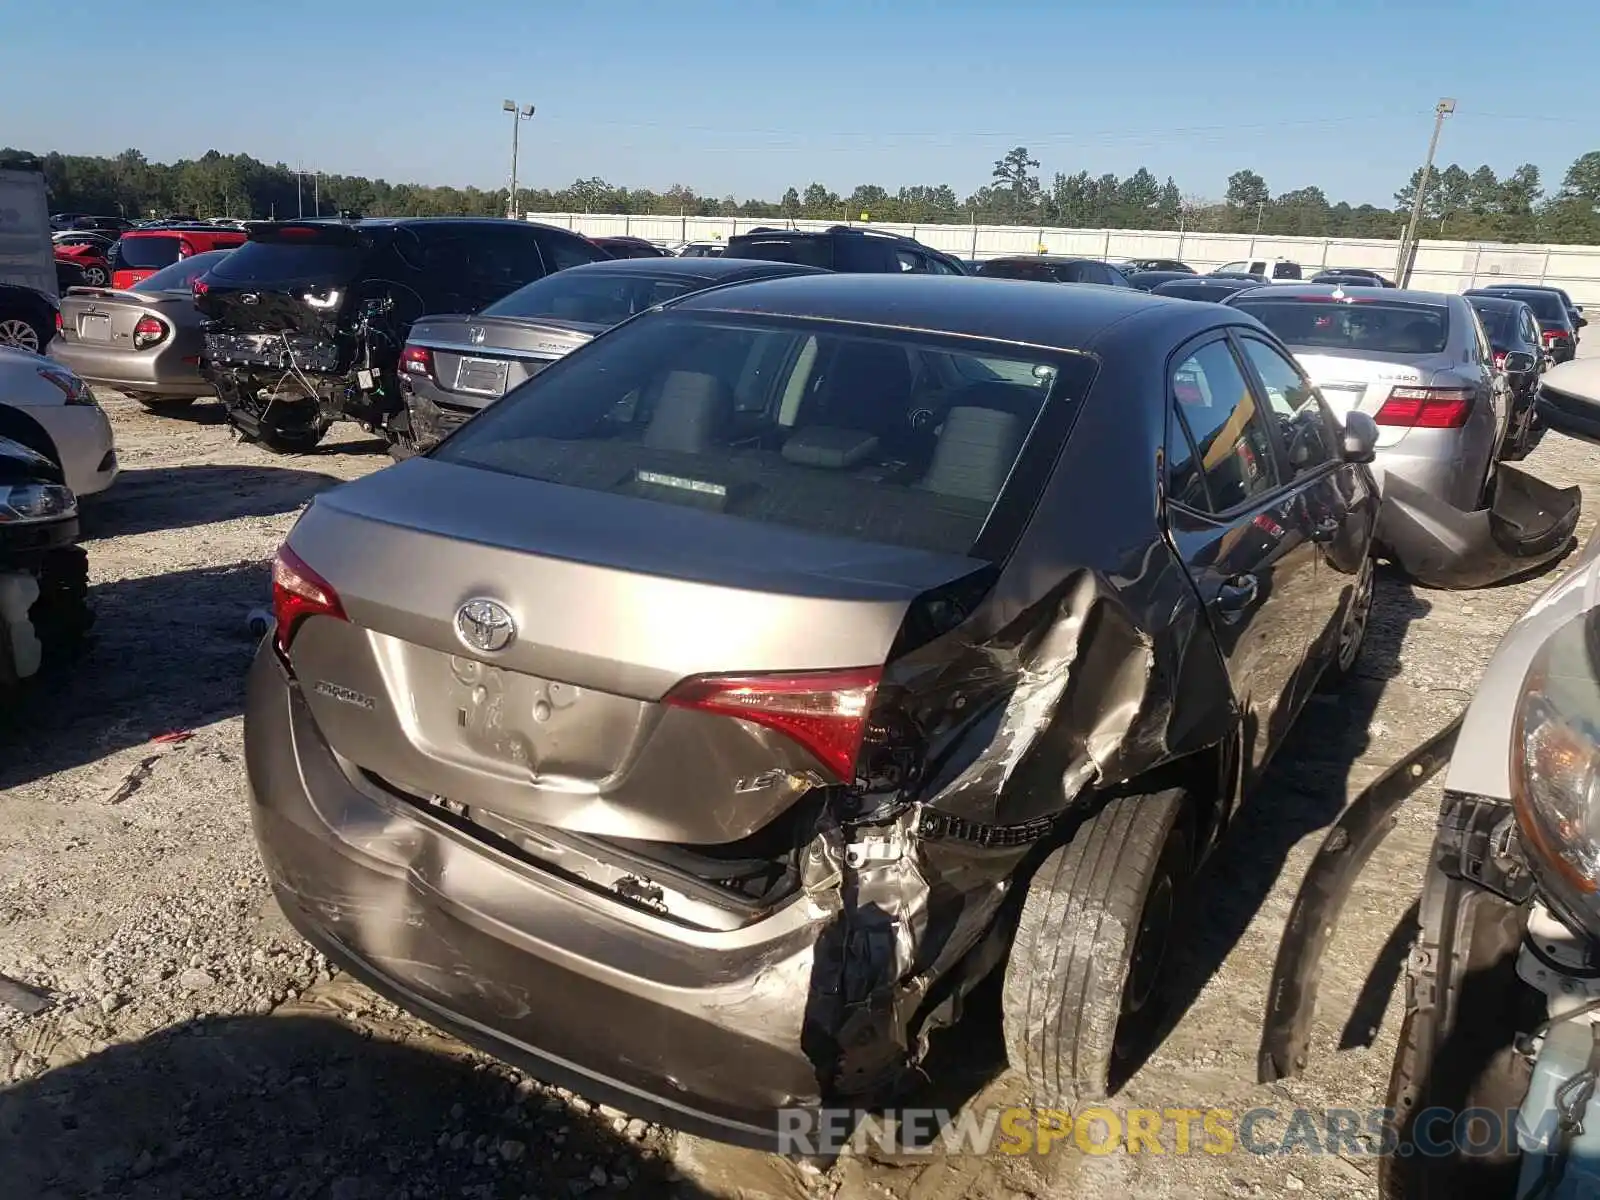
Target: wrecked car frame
column 1055, row 674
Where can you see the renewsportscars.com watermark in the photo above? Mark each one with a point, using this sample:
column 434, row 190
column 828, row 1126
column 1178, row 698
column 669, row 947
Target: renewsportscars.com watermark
column 1347, row 1132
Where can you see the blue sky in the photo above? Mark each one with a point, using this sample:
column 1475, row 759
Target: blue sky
column 749, row 98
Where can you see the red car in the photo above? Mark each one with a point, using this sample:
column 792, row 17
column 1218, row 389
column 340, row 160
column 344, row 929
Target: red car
column 89, row 253
column 140, row 253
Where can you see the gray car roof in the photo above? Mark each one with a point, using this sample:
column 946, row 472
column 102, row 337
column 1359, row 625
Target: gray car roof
column 1064, row 315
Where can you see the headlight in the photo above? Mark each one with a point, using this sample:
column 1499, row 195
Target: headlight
column 1555, row 754
column 74, row 389
column 26, row 503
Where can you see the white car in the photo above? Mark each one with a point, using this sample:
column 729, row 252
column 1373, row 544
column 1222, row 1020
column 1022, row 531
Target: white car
column 67, row 411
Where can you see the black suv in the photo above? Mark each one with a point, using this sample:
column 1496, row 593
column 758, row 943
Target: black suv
column 844, row 248
column 307, row 318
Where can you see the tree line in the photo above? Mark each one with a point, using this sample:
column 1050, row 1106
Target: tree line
column 1459, row 204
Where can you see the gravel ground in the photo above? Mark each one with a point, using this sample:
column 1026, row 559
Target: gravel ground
column 191, row 1045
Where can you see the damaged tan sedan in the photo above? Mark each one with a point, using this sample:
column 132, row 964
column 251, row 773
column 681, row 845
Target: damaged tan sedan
column 700, row 724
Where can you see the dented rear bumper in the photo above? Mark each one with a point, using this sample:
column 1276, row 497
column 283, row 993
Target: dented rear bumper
column 702, row 1029
column 1528, row 524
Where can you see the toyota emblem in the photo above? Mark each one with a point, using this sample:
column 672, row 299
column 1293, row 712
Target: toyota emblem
column 475, row 335
column 485, row 625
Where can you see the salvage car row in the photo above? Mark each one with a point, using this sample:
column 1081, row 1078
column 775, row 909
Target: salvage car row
column 767, row 689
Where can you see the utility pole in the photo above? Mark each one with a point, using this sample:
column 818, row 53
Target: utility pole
column 1442, row 110
column 316, row 191
column 1261, row 206
column 519, row 114
column 299, row 200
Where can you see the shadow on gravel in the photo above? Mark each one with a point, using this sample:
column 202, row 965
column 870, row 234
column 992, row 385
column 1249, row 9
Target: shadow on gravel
column 1305, row 789
column 144, row 500
column 304, row 1107
column 167, row 652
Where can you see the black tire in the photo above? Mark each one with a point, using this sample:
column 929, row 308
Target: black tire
column 95, row 277
column 161, row 404
column 1081, row 984
column 298, row 440
column 61, row 615
column 1352, row 630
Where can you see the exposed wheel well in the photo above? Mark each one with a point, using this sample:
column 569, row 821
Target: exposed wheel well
column 20, row 427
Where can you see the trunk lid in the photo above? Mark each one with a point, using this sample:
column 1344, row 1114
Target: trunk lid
column 1360, row 380
column 615, row 601
column 476, row 360
column 106, row 316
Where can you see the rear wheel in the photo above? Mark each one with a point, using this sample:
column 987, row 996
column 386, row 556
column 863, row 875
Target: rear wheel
column 300, row 439
column 1082, row 983
column 1353, row 629
column 22, row 333
column 95, row 276
column 161, row 404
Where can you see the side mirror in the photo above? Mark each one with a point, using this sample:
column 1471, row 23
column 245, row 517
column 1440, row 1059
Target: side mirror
column 1582, row 322
column 1519, row 362
column 1360, row 438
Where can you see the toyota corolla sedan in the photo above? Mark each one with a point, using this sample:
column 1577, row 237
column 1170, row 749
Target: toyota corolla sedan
column 1421, row 366
column 453, row 366
column 702, row 721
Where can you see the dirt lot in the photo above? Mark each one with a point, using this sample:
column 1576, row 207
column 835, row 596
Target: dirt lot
column 190, row 1045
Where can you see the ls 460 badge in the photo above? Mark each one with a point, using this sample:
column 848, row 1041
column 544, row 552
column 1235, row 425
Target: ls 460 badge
column 345, row 695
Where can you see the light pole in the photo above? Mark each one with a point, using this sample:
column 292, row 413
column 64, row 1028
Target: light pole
column 1442, row 110
column 519, row 114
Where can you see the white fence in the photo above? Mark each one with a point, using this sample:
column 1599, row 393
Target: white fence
column 1439, row 266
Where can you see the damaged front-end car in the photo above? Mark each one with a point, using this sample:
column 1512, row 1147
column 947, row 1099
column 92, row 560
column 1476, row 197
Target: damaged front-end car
column 44, row 576
column 1502, row 1004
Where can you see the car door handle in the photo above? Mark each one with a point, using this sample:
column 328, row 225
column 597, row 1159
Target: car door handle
column 1325, row 531
column 1237, row 594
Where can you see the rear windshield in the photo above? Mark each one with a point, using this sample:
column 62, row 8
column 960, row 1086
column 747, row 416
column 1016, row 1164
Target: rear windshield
column 808, row 252
column 288, row 262
column 1547, row 306
column 604, row 298
column 1190, row 290
column 902, row 439
column 1011, row 268
column 147, row 253
column 179, row 276
column 1380, row 328
column 1498, row 323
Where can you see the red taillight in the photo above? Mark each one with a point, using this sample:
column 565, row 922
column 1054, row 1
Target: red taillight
column 299, row 592
column 148, row 332
column 61, row 326
column 824, row 711
column 417, row 360
column 199, row 286
column 1552, row 335
column 1425, row 408
column 298, row 233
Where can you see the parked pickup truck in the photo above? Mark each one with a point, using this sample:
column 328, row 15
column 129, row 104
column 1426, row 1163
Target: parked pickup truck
column 1279, row 270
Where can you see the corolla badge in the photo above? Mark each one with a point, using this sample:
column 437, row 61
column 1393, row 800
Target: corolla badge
column 485, row 625
column 475, row 335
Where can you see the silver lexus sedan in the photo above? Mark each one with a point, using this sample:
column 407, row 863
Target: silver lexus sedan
column 1417, row 362
column 1420, row 364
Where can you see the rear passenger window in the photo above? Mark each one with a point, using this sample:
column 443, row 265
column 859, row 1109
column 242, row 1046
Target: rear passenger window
column 502, row 259
column 1304, row 426
column 1233, row 450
